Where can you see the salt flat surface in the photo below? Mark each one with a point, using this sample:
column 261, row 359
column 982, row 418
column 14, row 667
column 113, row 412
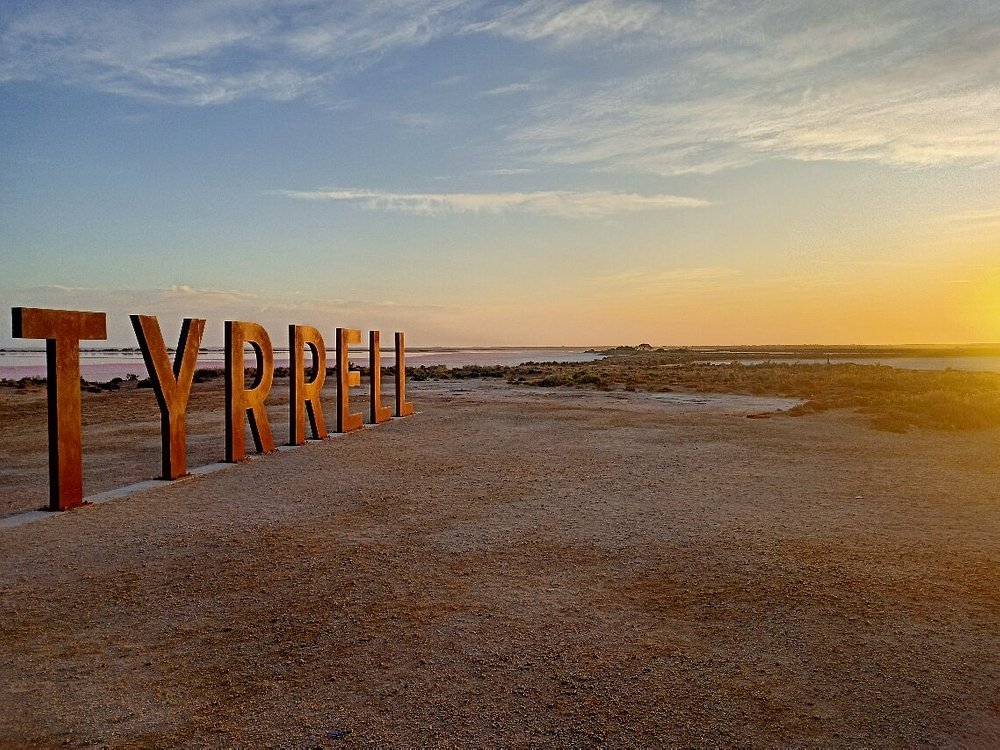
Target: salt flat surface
column 726, row 402
column 520, row 567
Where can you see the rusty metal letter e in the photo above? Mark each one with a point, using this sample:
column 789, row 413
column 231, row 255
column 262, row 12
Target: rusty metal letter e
column 347, row 421
column 62, row 330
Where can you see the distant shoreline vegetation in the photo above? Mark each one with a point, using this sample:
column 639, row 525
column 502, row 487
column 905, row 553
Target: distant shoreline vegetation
column 891, row 399
column 220, row 350
column 803, row 351
column 681, row 353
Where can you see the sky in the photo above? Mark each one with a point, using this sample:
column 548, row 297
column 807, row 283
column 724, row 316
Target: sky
column 533, row 172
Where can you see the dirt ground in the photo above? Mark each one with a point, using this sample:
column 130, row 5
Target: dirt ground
column 509, row 567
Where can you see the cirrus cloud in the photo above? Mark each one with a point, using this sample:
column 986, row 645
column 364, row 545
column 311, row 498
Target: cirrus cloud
column 704, row 87
column 563, row 203
column 211, row 52
column 717, row 85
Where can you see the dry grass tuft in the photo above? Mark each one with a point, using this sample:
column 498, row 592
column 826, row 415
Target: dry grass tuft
column 895, row 399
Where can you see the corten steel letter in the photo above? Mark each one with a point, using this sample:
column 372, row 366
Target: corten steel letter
column 304, row 396
column 404, row 408
column 347, row 378
column 376, row 413
column 62, row 331
column 248, row 401
column 171, row 385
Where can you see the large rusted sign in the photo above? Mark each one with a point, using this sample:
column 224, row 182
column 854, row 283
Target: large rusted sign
column 64, row 329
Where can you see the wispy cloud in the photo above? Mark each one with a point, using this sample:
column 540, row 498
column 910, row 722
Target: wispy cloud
column 705, row 86
column 721, row 86
column 275, row 311
column 213, row 51
column 564, row 203
column 972, row 221
column 511, row 88
column 507, row 171
column 673, row 279
column 694, row 274
column 694, row 282
column 419, row 120
column 572, row 22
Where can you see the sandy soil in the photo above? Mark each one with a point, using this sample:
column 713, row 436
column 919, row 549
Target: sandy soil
column 510, row 567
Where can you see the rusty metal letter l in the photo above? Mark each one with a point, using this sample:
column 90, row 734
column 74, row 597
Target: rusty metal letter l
column 403, row 407
column 377, row 412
